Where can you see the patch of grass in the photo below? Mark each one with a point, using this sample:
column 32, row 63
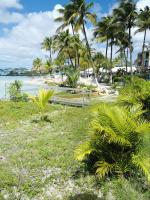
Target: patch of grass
column 39, row 153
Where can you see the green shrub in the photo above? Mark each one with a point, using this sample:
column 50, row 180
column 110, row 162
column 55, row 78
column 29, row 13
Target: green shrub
column 72, row 77
column 116, row 145
column 15, row 94
column 136, row 91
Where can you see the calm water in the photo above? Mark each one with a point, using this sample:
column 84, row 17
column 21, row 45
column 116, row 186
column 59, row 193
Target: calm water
column 31, row 85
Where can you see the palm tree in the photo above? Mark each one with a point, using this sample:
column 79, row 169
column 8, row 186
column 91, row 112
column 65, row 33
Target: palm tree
column 48, row 66
column 81, row 15
column 101, row 32
column 121, row 40
column 68, row 45
column 47, row 45
column 143, row 22
column 125, row 15
column 66, row 19
column 37, row 64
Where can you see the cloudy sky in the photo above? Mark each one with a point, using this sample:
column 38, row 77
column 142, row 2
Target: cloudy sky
column 24, row 24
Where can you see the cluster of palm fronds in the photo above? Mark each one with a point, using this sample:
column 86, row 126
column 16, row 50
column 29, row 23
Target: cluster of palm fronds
column 136, row 91
column 116, row 145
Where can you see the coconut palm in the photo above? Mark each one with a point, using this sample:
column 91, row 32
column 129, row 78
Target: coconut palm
column 117, row 142
column 47, row 45
column 37, row 64
column 101, row 31
column 68, row 45
column 82, row 14
column 48, row 66
column 125, row 15
column 143, row 23
column 66, row 17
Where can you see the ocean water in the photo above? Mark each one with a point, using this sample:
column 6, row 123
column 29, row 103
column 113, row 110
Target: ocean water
column 31, row 85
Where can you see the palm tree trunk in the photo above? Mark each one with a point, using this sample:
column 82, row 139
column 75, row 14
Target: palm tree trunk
column 87, row 43
column 50, row 55
column 130, row 48
column 106, row 48
column 126, row 61
column 111, row 58
column 143, row 65
column 70, row 59
column 72, row 29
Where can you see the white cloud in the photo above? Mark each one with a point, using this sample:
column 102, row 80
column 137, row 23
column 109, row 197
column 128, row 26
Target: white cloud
column 7, row 16
column 142, row 3
column 6, row 4
column 22, row 43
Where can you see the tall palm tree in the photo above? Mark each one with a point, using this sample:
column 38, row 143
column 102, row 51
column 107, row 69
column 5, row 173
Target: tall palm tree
column 143, row 22
column 82, row 15
column 66, row 17
column 47, row 45
column 37, row 64
column 125, row 16
column 101, row 32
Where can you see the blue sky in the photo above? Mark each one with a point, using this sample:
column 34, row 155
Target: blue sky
column 25, row 23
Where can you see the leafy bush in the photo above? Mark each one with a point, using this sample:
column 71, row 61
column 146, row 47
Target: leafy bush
column 136, row 91
column 15, row 94
column 72, row 77
column 116, row 145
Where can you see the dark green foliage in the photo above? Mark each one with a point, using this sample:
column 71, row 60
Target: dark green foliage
column 136, row 91
column 116, row 145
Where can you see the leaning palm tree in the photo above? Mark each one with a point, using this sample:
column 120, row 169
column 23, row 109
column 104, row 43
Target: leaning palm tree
column 125, row 15
column 47, row 45
column 143, row 23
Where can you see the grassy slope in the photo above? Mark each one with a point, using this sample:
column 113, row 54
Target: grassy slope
column 37, row 157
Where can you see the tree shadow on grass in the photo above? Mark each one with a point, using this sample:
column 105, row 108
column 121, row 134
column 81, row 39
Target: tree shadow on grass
column 85, row 196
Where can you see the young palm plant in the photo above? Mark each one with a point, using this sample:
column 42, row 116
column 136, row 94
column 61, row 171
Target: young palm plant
column 116, row 144
column 41, row 101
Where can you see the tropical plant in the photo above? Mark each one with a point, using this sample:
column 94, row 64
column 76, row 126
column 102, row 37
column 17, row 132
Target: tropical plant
column 48, row 66
column 136, row 91
column 66, row 17
column 101, row 32
column 47, row 45
column 143, row 22
column 81, row 15
column 125, row 16
column 41, row 101
column 14, row 91
column 116, row 145
column 72, row 77
column 37, row 65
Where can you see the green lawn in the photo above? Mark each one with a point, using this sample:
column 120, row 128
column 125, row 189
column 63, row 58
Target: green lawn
column 37, row 159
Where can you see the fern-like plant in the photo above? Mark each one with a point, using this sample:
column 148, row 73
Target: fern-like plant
column 116, row 143
column 41, row 100
column 136, row 91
